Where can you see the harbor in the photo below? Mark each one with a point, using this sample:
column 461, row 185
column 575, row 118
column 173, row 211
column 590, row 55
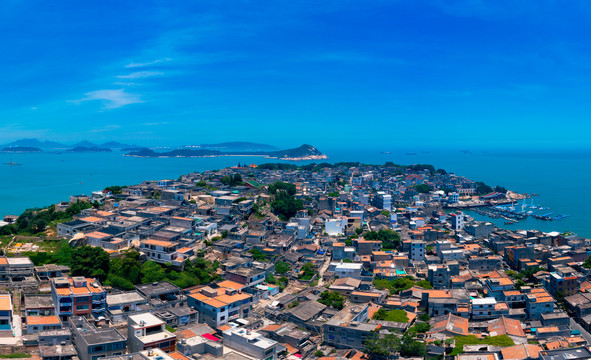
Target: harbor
column 525, row 213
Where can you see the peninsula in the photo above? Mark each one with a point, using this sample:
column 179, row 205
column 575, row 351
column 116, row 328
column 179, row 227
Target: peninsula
column 304, row 152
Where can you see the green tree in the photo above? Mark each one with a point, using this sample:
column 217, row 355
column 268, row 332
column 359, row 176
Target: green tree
column 390, row 239
column 307, row 271
column 381, row 348
column 425, row 284
column 258, row 255
column 91, row 262
column 152, row 272
column 332, row 299
column 281, row 267
column 423, row 188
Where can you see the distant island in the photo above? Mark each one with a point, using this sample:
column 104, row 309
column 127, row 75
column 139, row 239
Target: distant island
column 232, row 148
column 83, row 149
column 21, row 149
column 304, row 152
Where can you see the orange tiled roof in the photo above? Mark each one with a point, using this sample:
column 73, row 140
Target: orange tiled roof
column 43, row 320
column 5, row 304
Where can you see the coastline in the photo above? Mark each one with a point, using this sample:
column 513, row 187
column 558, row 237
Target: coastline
column 302, row 158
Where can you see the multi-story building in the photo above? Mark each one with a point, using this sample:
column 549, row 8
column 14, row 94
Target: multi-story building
column 484, row 263
column 78, row 296
column 163, row 252
column 146, row 331
column 220, row 303
column 5, row 315
column 343, row 270
column 93, row 343
column 384, row 201
column 417, row 250
column 516, row 252
column 247, row 276
column 251, row 343
column 488, row 308
column 562, row 282
column 348, row 328
column 457, row 220
column 439, row 276
column 537, row 302
column 15, row 270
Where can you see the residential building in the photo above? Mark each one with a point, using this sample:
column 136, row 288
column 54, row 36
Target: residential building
column 217, row 304
column 37, row 323
column 439, row 276
column 78, row 296
column 5, row 315
column 146, row 331
column 251, row 343
column 348, row 328
column 562, row 282
column 538, row 301
column 93, row 343
column 417, row 250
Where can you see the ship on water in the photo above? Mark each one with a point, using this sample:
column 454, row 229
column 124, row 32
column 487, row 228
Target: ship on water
column 12, row 163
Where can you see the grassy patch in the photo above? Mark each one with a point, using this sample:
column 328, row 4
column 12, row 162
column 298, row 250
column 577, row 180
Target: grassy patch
column 16, row 355
column 501, row 340
column 392, row 315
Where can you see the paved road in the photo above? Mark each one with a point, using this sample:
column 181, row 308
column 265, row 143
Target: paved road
column 575, row 325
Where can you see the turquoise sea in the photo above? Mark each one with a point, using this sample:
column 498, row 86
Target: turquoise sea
column 560, row 179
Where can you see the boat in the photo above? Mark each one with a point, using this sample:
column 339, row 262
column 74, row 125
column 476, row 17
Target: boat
column 411, row 153
column 386, row 152
column 12, row 163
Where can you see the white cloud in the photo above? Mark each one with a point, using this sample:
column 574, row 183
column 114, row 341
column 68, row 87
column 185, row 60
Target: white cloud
column 148, row 63
column 140, row 75
column 112, row 99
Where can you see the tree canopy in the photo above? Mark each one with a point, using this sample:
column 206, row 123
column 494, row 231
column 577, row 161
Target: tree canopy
column 390, row 239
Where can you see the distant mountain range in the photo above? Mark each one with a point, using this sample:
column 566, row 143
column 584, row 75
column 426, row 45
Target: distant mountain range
column 304, row 152
column 52, row 145
column 235, row 148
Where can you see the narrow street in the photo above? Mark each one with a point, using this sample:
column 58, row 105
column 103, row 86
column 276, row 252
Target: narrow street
column 575, row 326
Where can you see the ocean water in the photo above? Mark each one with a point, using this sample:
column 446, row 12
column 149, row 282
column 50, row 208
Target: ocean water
column 560, row 179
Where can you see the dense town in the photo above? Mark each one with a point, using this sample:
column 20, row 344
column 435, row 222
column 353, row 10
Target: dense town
column 277, row 261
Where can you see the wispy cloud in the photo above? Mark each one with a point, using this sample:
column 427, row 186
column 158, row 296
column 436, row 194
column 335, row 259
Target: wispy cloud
column 106, row 128
column 112, row 99
column 140, row 75
column 144, row 64
column 156, row 123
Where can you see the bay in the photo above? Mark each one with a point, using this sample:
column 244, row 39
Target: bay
column 559, row 178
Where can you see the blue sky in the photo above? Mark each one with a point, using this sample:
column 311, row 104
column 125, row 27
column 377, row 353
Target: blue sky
column 331, row 73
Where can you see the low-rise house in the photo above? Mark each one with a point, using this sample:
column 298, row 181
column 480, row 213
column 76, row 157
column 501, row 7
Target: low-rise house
column 251, row 343
column 448, row 326
column 120, row 305
column 161, row 294
column 521, row 352
column 92, row 342
column 39, row 305
column 488, row 308
column 348, row 328
column 146, row 331
column 509, row 327
column 37, row 323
